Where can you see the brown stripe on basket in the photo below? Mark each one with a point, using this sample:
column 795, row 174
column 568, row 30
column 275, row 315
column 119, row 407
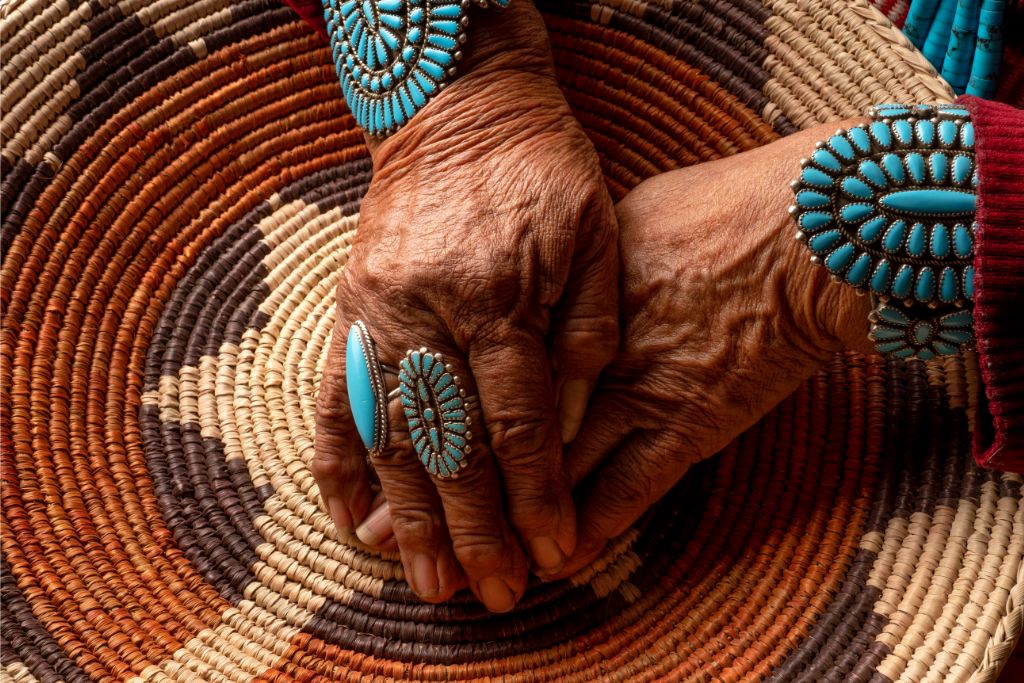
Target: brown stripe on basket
column 26, row 641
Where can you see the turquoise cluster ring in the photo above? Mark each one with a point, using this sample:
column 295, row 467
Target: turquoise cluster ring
column 888, row 208
column 433, row 401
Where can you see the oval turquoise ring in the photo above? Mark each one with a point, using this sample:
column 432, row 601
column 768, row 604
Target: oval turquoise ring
column 367, row 395
column 437, row 411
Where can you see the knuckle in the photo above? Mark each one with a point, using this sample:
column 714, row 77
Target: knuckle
column 416, row 525
column 515, row 440
column 326, row 467
column 480, row 554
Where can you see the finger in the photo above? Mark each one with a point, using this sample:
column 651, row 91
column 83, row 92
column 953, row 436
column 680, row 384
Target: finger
column 517, row 400
column 600, row 435
column 647, row 466
column 413, row 514
column 446, row 523
column 585, row 326
column 339, row 463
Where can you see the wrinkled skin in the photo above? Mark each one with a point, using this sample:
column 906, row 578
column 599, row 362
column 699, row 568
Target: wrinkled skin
column 724, row 316
column 488, row 235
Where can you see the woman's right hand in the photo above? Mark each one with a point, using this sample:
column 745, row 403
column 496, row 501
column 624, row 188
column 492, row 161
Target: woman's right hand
column 724, row 316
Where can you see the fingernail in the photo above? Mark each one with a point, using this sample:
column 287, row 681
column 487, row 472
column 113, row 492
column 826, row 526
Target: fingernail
column 546, row 554
column 424, row 576
column 377, row 527
column 572, row 406
column 339, row 513
column 496, row 595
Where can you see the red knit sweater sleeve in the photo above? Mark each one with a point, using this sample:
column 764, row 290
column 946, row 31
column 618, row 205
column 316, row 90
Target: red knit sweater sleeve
column 999, row 281
column 311, row 11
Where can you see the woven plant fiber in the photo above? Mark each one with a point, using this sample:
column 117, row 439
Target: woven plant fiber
column 180, row 189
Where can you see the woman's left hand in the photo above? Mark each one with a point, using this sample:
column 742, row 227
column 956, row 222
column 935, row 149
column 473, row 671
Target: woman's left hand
column 724, row 316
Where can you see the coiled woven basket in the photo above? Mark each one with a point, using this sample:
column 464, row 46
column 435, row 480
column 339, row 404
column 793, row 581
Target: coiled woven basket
column 181, row 185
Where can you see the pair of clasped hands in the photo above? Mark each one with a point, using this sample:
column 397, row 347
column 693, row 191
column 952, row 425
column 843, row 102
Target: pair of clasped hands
column 612, row 346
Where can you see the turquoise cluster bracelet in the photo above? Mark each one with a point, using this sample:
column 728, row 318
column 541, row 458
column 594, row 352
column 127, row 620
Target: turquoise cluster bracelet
column 393, row 56
column 889, row 209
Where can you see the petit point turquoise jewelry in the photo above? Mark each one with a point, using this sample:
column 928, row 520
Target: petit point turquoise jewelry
column 393, row 56
column 435, row 404
column 889, row 209
column 436, row 409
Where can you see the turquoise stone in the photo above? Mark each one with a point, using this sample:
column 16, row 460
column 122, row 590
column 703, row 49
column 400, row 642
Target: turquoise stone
column 435, row 439
column 841, row 146
column 826, row 160
column 449, row 461
column 398, row 70
column 939, row 164
column 873, row 173
column 860, row 138
column 408, row 53
column 928, row 201
column 915, row 165
column 891, row 347
column 880, row 278
column 455, row 440
column 415, row 34
column 944, row 348
column 916, row 243
column 890, row 109
column 871, row 229
column 859, row 271
column 361, row 398
column 925, row 131
column 810, row 199
column 435, row 372
column 903, row 282
column 962, row 318
column 893, row 315
column 947, row 132
column 854, row 212
column 857, row 188
column 456, row 454
column 457, row 427
column 925, row 354
column 923, row 331
column 445, row 26
column 962, row 167
column 881, row 133
column 940, row 241
column 888, row 334
column 925, row 290
column 963, row 243
column 418, row 98
column 967, row 135
column 947, row 285
column 955, row 336
column 416, row 16
column 969, row 282
column 446, row 11
column 435, row 71
column 838, row 259
column 445, row 381
column 426, row 85
column 452, row 404
column 443, row 42
column 823, row 242
column 903, row 131
column 391, row 21
column 813, row 176
column 390, row 39
column 439, row 56
column 428, row 414
column 448, row 393
column 894, row 236
column 894, row 167
column 814, row 220
column 953, row 110
column 380, row 51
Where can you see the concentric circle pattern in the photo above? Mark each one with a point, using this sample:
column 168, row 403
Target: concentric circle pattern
column 181, row 184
